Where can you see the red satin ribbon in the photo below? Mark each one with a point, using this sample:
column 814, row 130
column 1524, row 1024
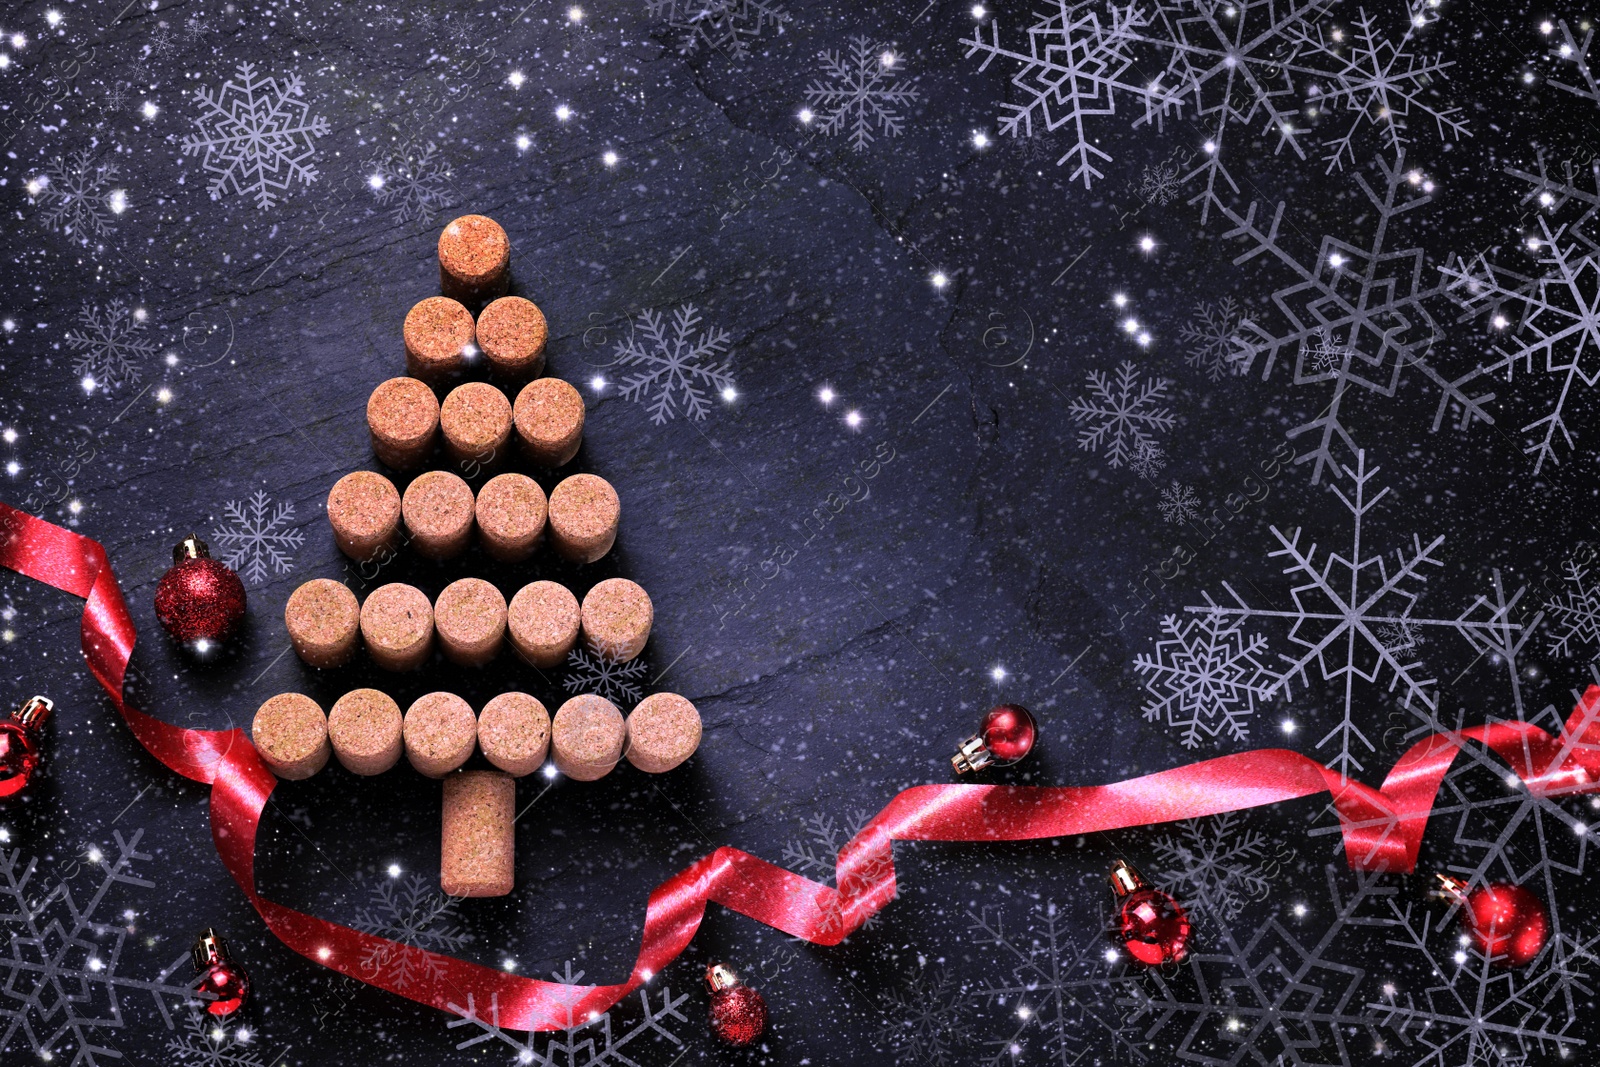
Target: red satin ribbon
column 1382, row 827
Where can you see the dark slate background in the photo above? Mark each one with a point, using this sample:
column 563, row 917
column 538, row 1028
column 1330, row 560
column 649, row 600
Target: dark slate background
column 989, row 559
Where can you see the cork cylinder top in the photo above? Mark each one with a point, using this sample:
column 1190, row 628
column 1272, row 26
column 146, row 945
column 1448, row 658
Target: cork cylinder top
column 403, row 417
column 587, row 737
column 470, row 619
column 440, row 733
column 511, row 511
column 324, row 622
column 474, row 259
column 549, row 419
column 291, row 735
column 543, row 621
column 514, row 733
column 476, row 419
column 397, row 626
column 584, row 513
column 438, row 509
column 364, row 511
column 365, row 730
column 438, row 332
column 511, row 335
column 663, row 731
column 616, row 619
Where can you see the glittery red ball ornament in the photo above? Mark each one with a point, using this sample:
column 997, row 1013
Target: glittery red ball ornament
column 1152, row 926
column 19, row 745
column 200, row 601
column 1006, row 735
column 1508, row 923
column 220, row 976
column 738, row 1013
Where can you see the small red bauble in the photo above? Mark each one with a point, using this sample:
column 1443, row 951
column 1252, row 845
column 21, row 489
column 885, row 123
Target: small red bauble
column 1152, row 926
column 220, row 976
column 1508, row 923
column 19, row 744
column 738, row 1013
column 1005, row 736
column 200, row 600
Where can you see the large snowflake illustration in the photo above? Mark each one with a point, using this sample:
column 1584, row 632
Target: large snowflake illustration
column 110, row 345
column 256, row 136
column 1568, row 49
column 1217, row 866
column 412, row 181
column 1210, row 337
column 679, row 364
column 817, row 855
column 921, row 1022
column 1206, row 678
column 604, row 675
column 64, row 985
column 726, row 26
column 1554, row 317
column 1121, row 413
column 1556, row 194
column 1366, row 301
column 859, row 95
column 409, row 909
column 208, row 1041
column 79, row 195
column 1575, row 614
column 581, row 1042
column 257, row 539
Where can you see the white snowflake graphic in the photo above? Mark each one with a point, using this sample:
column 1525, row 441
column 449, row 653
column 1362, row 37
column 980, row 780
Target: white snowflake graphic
column 679, row 364
column 209, row 1041
column 1160, row 184
column 1555, row 194
column 921, row 1022
column 585, row 1042
column 110, row 345
column 1206, row 678
column 409, row 909
column 1575, row 614
column 163, row 43
column 1569, row 50
column 1216, row 866
column 1210, row 337
column 78, row 194
column 258, row 540
column 1178, row 503
column 817, row 855
column 1556, row 329
column 1368, row 301
column 256, row 136
column 412, row 181
column 1149, row 459
column 726, row 26
column 859, row 94
column 1121, row 413
column 63, row 985
column 604, row 675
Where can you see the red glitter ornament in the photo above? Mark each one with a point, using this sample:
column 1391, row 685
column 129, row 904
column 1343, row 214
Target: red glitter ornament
column 220, row 976
column 200, row 601
column 1508, row 922
column 19, row 744
column 738, row 1013
column 1153, row 926
column 1005, row 736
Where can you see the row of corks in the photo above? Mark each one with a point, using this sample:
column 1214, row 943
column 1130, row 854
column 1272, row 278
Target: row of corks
column 476, row 421
column 438, row 513
column 471, row 620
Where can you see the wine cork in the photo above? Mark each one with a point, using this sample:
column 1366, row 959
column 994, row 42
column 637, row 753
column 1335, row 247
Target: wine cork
column 438, row 334
column 470, row 619
column 549, row 421
column 365, row 730
column 440, row 732
column 364, row 511
column 616, row 619
column 403, row 418
column 663, row 731
column 476, row 420
column 511, row 335
column 514, row 733
column 477, row 849
column 543, row 622
column 438, row 509
column 291, row 735
column 584, row 512
column 474, row 260
column 324, row 622
column 587, row 737
column 511, row 512
column 397, row 626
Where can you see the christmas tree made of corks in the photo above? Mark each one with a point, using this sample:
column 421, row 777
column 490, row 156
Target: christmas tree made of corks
column 477, row 430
